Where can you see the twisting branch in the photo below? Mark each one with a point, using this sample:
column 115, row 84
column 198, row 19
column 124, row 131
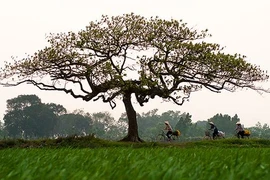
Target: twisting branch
column 176, row 100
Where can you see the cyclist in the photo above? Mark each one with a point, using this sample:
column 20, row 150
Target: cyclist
column 168, row 128
column 214, row 128
column 240, row 130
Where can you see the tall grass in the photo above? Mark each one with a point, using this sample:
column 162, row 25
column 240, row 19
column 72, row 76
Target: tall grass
column 135, row 163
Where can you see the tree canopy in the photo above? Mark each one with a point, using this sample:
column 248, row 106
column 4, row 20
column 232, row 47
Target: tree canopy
column 28, row 117
column 121, row 56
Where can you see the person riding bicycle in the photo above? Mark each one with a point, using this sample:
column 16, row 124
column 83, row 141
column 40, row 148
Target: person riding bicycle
column 214, row 128
column 240, row 130
column 168, row 128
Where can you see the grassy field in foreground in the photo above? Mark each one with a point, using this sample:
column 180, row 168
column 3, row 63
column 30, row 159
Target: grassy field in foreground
column 135, row 163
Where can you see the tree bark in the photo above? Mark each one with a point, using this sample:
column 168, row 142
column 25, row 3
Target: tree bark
column 133, row 135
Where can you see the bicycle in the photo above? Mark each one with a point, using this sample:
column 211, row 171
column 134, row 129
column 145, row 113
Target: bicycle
column 245, row 134
column 162, row 137
column 208, row 135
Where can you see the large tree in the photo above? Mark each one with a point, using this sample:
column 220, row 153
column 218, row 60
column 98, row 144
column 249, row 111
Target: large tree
column 184, row 123
column 122, row 56
column 73, row 123
column 28, row 117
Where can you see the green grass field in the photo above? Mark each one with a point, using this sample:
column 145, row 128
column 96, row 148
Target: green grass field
column 244, row 159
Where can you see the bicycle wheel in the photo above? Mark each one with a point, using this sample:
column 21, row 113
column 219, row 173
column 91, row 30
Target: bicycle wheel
column 161, row 138
column 174, row 137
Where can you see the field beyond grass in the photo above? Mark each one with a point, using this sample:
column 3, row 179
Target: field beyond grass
column 97, row 159
column 92, row 142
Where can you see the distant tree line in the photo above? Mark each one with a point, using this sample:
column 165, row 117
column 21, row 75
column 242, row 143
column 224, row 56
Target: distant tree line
column 28, row 118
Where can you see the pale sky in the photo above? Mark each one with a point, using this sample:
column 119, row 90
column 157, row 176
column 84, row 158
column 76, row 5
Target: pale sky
column 242, row 26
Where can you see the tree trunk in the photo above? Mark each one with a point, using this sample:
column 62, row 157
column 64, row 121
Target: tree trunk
column 133, row 134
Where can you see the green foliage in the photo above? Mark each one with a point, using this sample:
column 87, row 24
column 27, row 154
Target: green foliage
column 184, row 124
column 39, row 122
column 101, row 124
column 27, row 117
column 1, row 131
column 22, row 101
column 71, row 124
column 106, row 127
column 260, row 131
column 135, row 163
column 57, row 109
column 150, row 124
column 74, row 141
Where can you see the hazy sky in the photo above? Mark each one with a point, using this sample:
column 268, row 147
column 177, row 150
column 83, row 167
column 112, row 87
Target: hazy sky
column 242, row 26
